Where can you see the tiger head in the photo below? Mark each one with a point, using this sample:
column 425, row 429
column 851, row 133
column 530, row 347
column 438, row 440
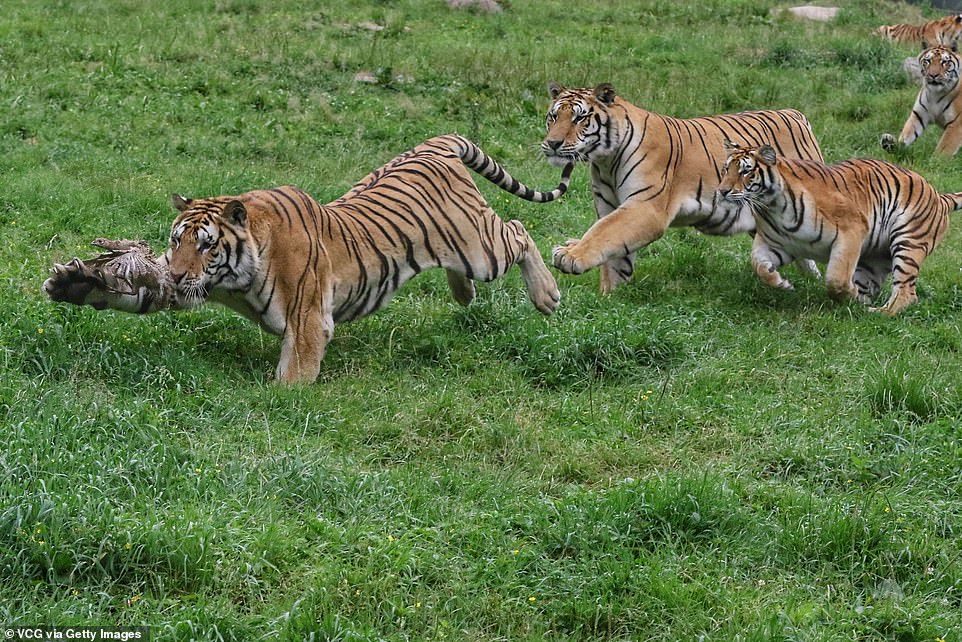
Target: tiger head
column 209, row 248
column 940, row 67
column 580, row 124
column 749, row 174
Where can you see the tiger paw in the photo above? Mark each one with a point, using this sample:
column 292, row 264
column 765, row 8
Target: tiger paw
column 546, row 298
column 884, row 311
column 785, row 284
column 888, row 143
column 540, row 283
column 811, row 268
column 565, row 258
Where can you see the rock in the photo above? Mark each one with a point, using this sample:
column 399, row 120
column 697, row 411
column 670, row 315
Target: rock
column 912, row 69
column 811, row 12
column 487, row 6
column 365, row 77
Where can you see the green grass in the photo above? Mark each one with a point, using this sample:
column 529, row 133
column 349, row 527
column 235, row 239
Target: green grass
column 693, row 457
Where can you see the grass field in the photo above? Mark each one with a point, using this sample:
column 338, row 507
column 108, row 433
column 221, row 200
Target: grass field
column 695, row 457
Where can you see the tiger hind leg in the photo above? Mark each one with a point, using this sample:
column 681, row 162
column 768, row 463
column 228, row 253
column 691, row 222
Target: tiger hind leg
column 542, row 287
column 462, row 288
column 616, row 271
column 905, row 274
column 868, row 279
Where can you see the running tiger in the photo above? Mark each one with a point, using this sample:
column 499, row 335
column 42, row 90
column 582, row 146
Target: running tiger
column 652, row 172
column 944, row 31
column 866, row 218
column 296, row 267
column 939, row 101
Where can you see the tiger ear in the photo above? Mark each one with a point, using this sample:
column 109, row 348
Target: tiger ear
column 605, row 93
column 958, row 19
column 235, row 212
column 179, row 202
column 954, row 46
column 925, row 45
column 766, row 154
column 554, row 90
column 731, row 147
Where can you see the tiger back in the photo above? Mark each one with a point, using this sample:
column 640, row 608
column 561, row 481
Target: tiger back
column 650, row 172
column 867, row 218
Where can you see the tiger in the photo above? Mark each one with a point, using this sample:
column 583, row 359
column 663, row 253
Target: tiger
column 939, row 101
column 944, row 31
column 650, row 172
column 866, row 218
column 297, row 268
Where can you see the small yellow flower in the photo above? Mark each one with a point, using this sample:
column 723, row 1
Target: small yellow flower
column 648, row 392
column 888, row 510
column 939, row 639
column 532, row 599
column 516, row 551
column 39, row 330
column 133, row 600
column 128, row 546
column 390, row 538
column 417, row 605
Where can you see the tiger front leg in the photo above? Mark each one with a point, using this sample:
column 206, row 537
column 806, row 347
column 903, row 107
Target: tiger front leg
column 951, row 140
column 842, row 262
column 766, row 261
column 629, row 228
column 302, row 347
column 917, row 121
column 618, row 270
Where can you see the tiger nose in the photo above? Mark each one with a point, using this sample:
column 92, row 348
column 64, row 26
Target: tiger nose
column 553, row 144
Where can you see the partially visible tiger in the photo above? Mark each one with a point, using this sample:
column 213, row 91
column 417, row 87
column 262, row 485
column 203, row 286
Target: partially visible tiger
column 939, row 101
column 866, row 218
column 296, row 267
column 944, row 31
column 651, row 172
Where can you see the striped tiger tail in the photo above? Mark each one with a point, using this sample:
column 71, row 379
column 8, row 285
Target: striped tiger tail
column 953, row 200
column 472, row 156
